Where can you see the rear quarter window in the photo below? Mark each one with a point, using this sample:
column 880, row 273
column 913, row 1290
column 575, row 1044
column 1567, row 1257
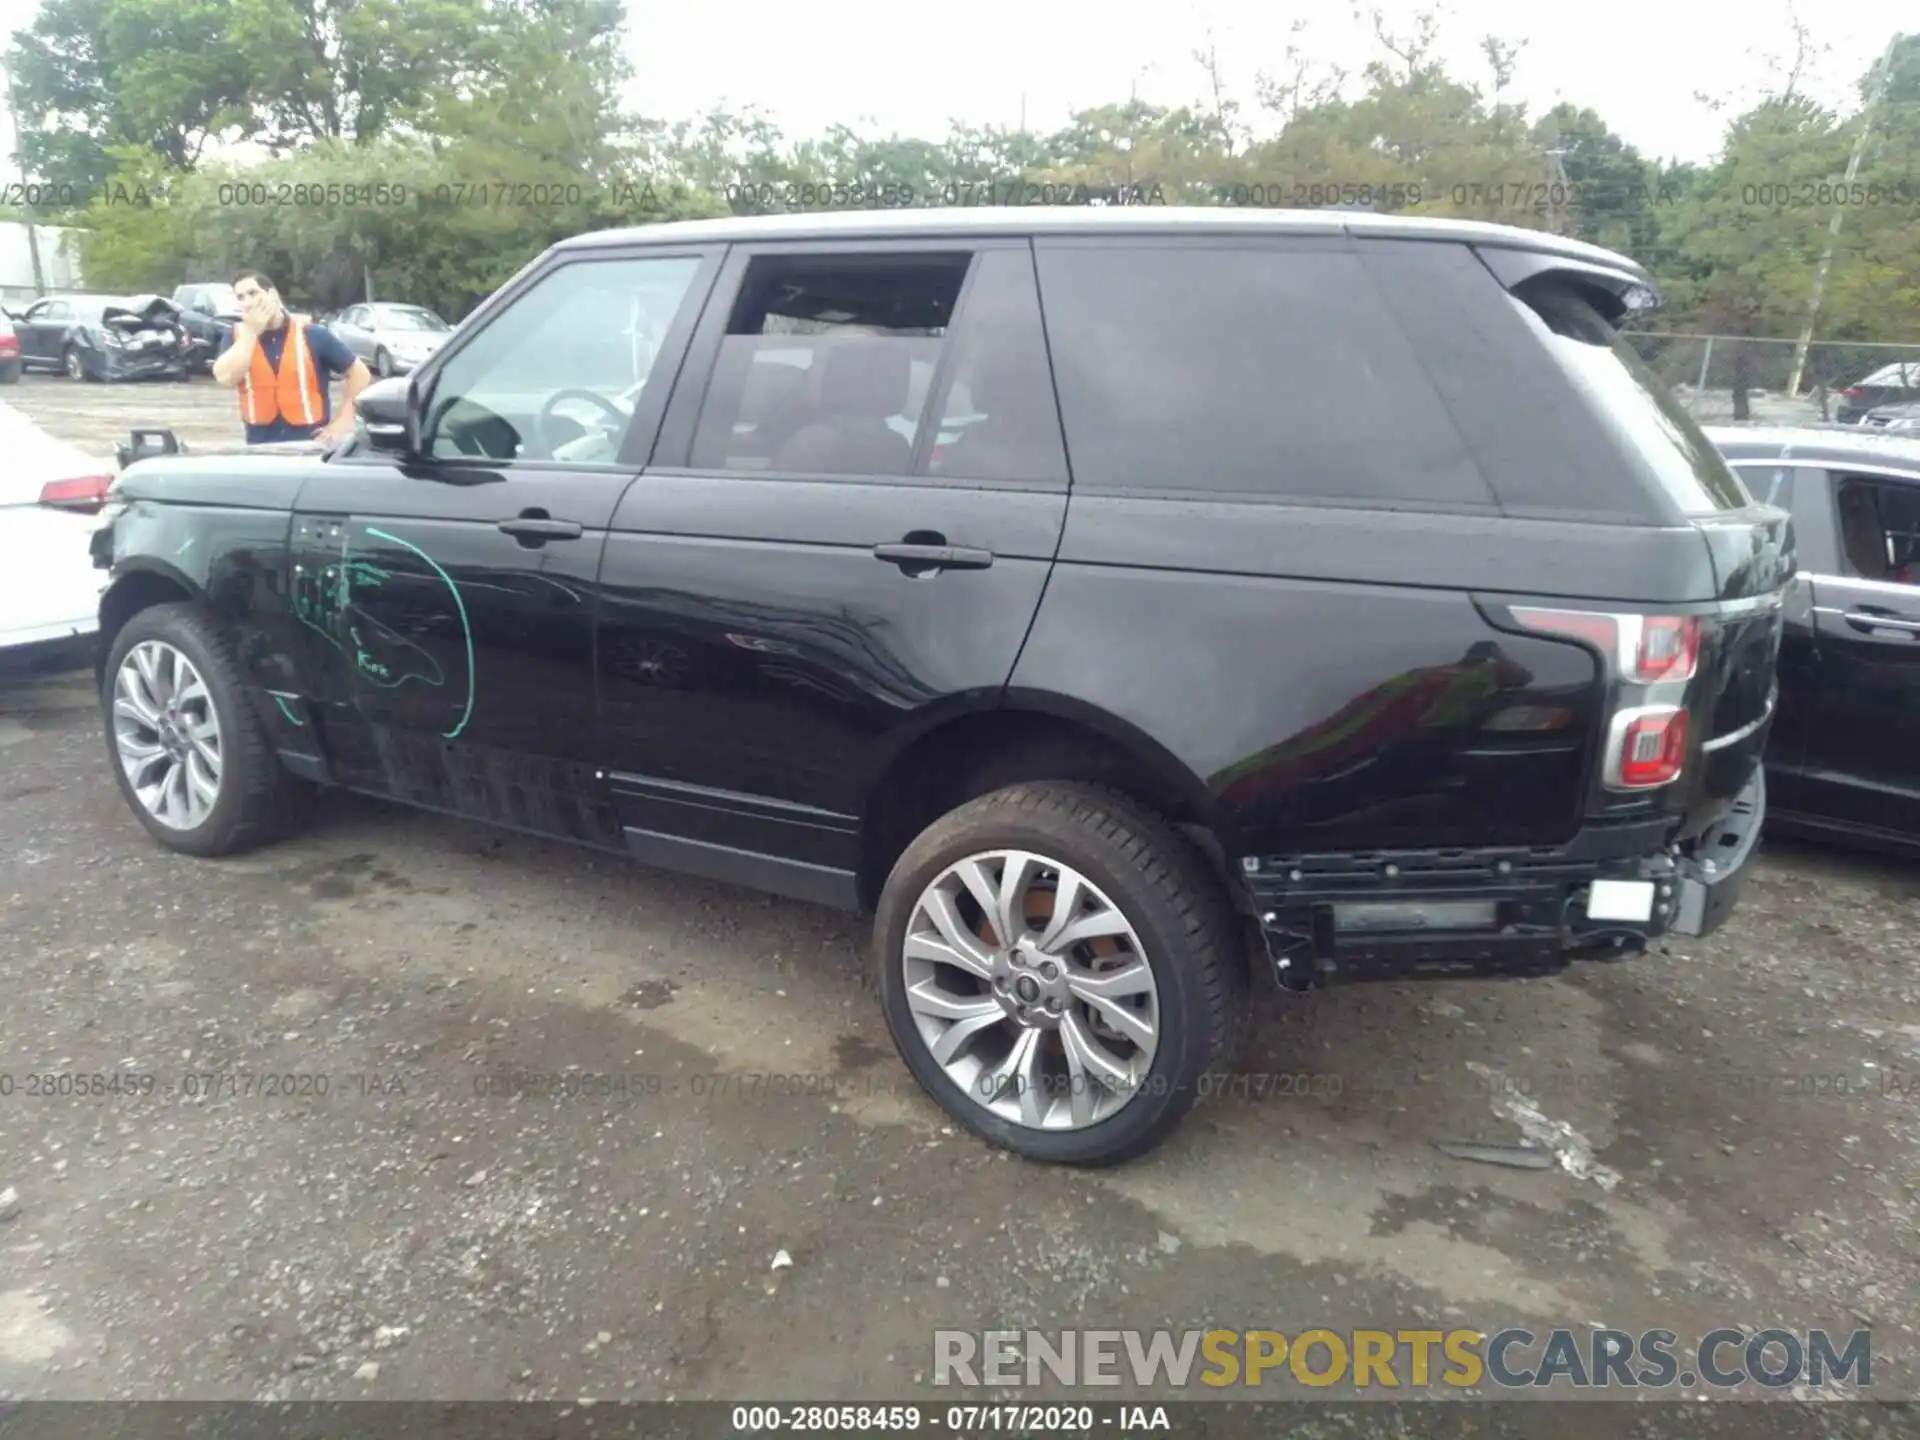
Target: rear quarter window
column 1629, row 399
column 1268, row 370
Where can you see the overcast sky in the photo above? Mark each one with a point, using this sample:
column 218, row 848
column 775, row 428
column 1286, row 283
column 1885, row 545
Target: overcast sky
column 899, row 67
column 1638, row 62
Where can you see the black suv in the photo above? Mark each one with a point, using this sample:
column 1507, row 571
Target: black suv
column 1119, row 604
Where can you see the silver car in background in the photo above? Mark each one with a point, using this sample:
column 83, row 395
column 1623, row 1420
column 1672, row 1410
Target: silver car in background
column 391, row 338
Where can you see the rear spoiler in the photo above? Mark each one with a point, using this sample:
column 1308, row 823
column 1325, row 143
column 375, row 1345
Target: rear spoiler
column 1618, row 291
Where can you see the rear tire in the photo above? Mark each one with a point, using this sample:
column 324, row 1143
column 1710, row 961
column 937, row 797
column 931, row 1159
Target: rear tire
column 1163, row 944
column 189, row 751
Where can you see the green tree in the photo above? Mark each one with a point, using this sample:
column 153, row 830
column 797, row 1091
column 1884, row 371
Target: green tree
column 93, row 75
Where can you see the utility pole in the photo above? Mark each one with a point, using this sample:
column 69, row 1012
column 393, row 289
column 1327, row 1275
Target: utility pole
column 1557, row 211
column 1840, row 213
column 26, row 204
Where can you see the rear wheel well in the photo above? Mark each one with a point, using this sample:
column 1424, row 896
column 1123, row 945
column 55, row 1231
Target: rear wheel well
column 127, row 597
column 979, row 754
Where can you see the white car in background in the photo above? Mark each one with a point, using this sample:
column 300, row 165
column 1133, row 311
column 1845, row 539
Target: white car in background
column 50, row 499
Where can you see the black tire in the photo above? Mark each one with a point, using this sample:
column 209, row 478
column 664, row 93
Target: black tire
column 10, row 372
column 1166, row 890
column 260, row 799
column 382, row 363
column 73, row 365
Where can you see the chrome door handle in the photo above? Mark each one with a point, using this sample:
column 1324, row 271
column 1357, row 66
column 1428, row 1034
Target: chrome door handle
column 1863, row 621
column 923, row 558
column 531, row 527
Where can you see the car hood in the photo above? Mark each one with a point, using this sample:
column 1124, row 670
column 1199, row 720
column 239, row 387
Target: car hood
column 246, row 477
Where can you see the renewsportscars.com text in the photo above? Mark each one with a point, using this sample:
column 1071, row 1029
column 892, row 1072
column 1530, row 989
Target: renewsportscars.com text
column 1390, row 1359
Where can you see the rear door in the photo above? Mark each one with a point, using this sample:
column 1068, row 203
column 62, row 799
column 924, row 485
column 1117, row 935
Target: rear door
column 815, row 568
column 447, row 605
column 1862, row 752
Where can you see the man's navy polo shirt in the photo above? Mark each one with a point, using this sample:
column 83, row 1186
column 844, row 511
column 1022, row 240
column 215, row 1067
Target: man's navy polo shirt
column 331, row 357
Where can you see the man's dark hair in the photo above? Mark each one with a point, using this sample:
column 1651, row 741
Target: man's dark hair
column 264, row 281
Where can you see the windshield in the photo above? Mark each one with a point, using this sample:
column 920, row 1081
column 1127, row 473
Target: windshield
column 220, row 297
column 408, row 317
column 1634, row 402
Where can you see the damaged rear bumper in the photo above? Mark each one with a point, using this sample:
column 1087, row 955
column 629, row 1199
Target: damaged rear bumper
column 1493, row 912
column 115, row 365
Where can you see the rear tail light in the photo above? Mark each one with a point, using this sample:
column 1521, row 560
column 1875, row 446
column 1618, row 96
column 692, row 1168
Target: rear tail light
column 1648, row 747
column 1852, row 392
column 1643, row 649
column 86, row 493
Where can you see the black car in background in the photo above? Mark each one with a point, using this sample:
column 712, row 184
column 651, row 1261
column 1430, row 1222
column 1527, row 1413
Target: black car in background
column 1173, row 669
column 1844, row 757
column 1894, row 384
column 208, row 312
column 1895, row 419
column 104, row 337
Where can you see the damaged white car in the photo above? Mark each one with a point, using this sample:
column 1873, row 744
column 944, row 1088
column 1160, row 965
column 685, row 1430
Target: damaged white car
column 51, row 494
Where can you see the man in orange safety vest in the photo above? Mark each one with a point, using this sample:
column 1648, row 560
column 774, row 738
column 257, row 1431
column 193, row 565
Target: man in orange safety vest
column 282, row 364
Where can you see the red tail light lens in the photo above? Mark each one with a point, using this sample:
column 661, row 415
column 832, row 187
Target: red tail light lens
column 1643, row 649
column 1669, row 648
column 87, row 493
column 1852, row 392
column 1652, row 748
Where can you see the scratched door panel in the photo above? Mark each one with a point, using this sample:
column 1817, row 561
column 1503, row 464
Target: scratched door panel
column 451, row 662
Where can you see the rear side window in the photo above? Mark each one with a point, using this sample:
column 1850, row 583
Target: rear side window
column 1257, row 371
column 1629, row 398
column 827, row 364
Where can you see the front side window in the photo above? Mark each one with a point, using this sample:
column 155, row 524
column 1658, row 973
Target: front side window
column 827, row 364
column 1629, row 398
column 555, row 377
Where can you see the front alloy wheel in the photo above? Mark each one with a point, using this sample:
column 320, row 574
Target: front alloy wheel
column 189, row 747
column 1031, row 990
column 167, row 735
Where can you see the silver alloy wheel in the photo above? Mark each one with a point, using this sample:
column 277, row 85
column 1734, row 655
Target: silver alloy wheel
column 76, row 367
column 1031, row 990
column 167, row 734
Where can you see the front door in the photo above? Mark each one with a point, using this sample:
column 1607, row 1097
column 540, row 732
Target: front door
column 447, row 604
column 43, row 330
column 1862, row 746
column 843, row 538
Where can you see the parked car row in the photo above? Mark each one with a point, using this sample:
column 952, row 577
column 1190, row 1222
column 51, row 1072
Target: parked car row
column 142, row 337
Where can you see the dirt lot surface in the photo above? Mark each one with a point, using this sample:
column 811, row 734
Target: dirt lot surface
column 96, row 417
column 1741, row 1128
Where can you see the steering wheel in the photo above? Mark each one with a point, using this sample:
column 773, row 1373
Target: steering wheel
column 540, row 421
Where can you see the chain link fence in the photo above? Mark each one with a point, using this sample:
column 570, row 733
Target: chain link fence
column 1725, row 379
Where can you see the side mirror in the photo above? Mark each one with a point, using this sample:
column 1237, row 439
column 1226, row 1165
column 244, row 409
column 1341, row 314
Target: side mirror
column 389, row 412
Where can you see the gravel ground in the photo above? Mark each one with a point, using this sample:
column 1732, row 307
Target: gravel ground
column 372, row 1224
